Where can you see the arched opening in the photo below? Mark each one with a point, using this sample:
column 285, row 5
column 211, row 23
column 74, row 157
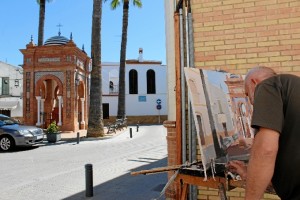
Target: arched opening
column 242, row 112
column 151, row 89
column 133, row 82
column 201, row 130
column 48, row 90
column 81, row 105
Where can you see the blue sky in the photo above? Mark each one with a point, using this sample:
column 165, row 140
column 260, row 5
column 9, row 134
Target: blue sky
column 217, row 79
column 146, row 29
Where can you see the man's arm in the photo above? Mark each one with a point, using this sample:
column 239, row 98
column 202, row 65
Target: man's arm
column 262, row 162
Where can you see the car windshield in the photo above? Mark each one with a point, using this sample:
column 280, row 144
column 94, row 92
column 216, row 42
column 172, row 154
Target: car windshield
column 4, row 120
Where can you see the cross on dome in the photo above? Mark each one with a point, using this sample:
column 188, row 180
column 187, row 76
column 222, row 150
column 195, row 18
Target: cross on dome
column 59, row 25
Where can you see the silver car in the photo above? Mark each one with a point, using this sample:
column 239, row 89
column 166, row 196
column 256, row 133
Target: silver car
column 13, row 134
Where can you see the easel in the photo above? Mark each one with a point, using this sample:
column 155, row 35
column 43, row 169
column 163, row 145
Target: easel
column 221, row 183
column 188, row 176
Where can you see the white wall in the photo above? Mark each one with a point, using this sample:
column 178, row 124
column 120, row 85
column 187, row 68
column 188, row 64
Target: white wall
column 107, row 70
column 149, row 107
column 15, row 93
column 170, row 49
column 113, row 104
column 134, row 107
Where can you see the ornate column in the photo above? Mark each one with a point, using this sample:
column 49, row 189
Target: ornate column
column 59, row 110
column 38, row 98
column 42, row 110
column 77, row 110
column 82, row 111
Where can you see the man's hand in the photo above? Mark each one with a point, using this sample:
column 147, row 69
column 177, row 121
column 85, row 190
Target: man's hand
column 238, row 167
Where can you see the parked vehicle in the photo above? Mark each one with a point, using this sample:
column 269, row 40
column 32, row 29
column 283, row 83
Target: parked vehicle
column 14, row 134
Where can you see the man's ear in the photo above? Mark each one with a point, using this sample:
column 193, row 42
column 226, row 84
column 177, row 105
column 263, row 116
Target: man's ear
column 254, row 81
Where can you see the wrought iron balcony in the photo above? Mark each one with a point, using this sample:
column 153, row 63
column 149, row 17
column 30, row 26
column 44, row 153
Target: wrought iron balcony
column 114, row 90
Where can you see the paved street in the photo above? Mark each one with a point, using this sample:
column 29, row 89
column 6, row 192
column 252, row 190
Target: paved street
column 57, row 171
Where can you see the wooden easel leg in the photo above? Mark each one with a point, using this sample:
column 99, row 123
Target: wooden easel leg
column 222, row 192
column 184, row 191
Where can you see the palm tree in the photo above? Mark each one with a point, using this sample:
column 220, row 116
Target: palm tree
column 95, row 124
column 42, row 4
column 121, row 98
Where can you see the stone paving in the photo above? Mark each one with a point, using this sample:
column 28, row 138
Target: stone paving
column 56, row 171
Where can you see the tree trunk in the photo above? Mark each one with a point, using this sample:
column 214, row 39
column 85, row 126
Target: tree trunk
column 95, row 124
column 121, row 97
column 41, row 22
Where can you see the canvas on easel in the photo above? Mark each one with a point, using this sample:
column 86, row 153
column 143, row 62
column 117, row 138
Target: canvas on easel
column 222, row 114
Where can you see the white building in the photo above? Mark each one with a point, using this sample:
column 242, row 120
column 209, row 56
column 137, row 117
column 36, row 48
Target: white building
column 11, row 90
column 146, row 90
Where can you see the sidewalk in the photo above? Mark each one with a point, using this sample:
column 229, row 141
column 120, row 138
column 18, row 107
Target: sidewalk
column 69, row 135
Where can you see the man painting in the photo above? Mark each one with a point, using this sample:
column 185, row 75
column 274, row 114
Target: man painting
column 275, row 154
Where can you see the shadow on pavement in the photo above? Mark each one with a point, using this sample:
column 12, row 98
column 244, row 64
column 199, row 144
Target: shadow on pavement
column 18, row 149
column 128, row 187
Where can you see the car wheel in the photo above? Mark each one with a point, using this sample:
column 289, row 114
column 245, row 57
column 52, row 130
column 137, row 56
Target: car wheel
column 6, row 143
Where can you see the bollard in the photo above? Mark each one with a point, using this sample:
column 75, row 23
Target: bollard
column 130, row 132
column 89, row 180
column 78, row 138
column 137, row 127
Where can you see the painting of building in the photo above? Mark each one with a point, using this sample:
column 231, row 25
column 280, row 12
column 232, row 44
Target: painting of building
column 221, row 113
column 240, row 104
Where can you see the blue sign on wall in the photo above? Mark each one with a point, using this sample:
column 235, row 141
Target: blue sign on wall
column 158, row 101
column 142, row 99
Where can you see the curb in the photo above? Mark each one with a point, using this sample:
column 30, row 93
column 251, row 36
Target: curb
column 73, row 139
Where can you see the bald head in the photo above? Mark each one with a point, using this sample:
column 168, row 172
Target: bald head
column 254, row 77
column 260, row 73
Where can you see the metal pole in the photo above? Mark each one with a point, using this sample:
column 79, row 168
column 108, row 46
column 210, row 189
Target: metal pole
column 78, row 138
column 191, row 121
column 130, row 132
column 183, row 103
column 89, row 180
column 159, row 116
column 187, row 38
column 191, row 41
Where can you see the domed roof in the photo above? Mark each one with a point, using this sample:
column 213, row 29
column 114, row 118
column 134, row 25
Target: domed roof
column 56, row 40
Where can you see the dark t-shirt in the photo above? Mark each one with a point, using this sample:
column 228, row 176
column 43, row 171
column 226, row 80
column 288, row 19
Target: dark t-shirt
column 277, row 107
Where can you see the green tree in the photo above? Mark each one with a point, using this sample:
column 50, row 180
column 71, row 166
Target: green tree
column 121, row 98
column 95, row 124
column 42, row 4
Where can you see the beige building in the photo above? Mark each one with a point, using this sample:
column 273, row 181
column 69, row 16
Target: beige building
column 230, row 35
